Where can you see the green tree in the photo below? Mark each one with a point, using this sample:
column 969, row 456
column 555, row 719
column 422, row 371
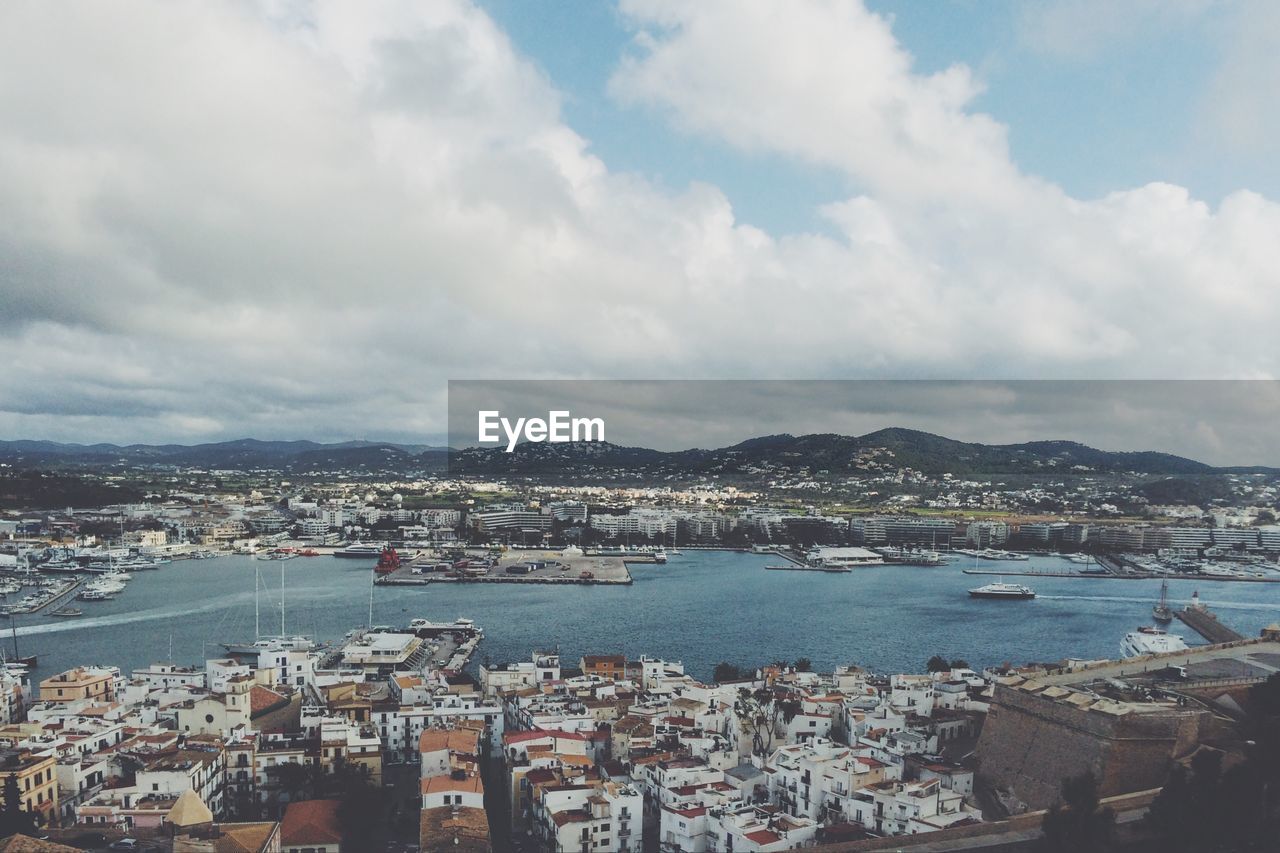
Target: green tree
column 937, row 663
column 363, row 809
column 14, row 818
column 293, row 782
column 726, row 671
column 803, row 665
column 959, row 663
column 1076, row 822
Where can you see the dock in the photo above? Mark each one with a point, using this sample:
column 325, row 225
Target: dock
column 796, row 567
column 530, row 567
column 1128, row 576
column 65, row 591
column 1207, row 625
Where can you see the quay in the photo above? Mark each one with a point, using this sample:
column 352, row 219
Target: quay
column 528, row 567
column 797, row 567
column 1128, row 576
column 1204, row 623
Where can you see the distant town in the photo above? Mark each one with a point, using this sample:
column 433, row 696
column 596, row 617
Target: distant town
column 408, row 736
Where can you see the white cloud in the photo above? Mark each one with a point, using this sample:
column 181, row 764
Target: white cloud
column 299, row 219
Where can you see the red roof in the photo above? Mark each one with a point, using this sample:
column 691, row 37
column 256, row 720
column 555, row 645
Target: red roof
column 263, row 699
column 311, row 822
column 534, row 734
column 763, row 836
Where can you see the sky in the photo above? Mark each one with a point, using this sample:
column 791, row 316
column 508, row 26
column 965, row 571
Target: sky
column 289, row 219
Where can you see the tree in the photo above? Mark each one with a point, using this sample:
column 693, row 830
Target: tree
column 937, row 663
column 1206, row 808
column 1076, row 822
column 959, row 663
column 726, row 671
column 292, row 780
column 362, row 812
column 803, row 665
column 15, row 819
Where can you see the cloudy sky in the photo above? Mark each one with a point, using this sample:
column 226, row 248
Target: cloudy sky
column 291, row 219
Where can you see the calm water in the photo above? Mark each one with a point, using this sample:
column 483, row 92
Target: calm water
column 702, row 607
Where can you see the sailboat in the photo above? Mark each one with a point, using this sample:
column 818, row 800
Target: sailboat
column 263, row 643
column 1162, row 612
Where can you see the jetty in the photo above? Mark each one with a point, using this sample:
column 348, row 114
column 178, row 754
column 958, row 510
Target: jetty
column 797, row 567
column 1204, row 623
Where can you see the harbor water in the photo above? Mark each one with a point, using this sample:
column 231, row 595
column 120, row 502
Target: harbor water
column 702, row 607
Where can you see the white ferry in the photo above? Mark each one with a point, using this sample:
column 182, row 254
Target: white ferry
column 1003, row 590
column 1150, row 641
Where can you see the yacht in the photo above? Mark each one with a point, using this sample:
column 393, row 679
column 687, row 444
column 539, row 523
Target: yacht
column 361, row 550
column 997, row 554
column 1003, row 590
column 1150, row 641
column 271, row 644
column 900, row 556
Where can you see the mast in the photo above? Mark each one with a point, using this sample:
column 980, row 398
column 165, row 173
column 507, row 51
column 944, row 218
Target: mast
column 282, row 598
column 257, row 584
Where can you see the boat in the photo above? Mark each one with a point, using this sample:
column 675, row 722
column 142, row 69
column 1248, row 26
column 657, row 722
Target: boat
column 996, row 554
column 360, row 550
column 1162, row 612
column 1003, row 590
column 67, row 611
column 95, row 595
column 388, row 561
column 1150, row 641
column 899, row 556
column 660, row 556
column 271, row 644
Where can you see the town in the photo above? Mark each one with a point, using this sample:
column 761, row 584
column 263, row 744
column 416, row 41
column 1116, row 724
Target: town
column 382, row 744
column 409, row 735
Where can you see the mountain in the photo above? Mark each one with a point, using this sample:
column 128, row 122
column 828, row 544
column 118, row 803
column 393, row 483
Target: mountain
column 821, row 455
column 825, row 455
column 238, row 454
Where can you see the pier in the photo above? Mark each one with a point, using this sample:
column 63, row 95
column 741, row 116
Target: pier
column 796, row 567
column 1128, row 576
column 61, row 595
column 1207, row 625
column 541, row 568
